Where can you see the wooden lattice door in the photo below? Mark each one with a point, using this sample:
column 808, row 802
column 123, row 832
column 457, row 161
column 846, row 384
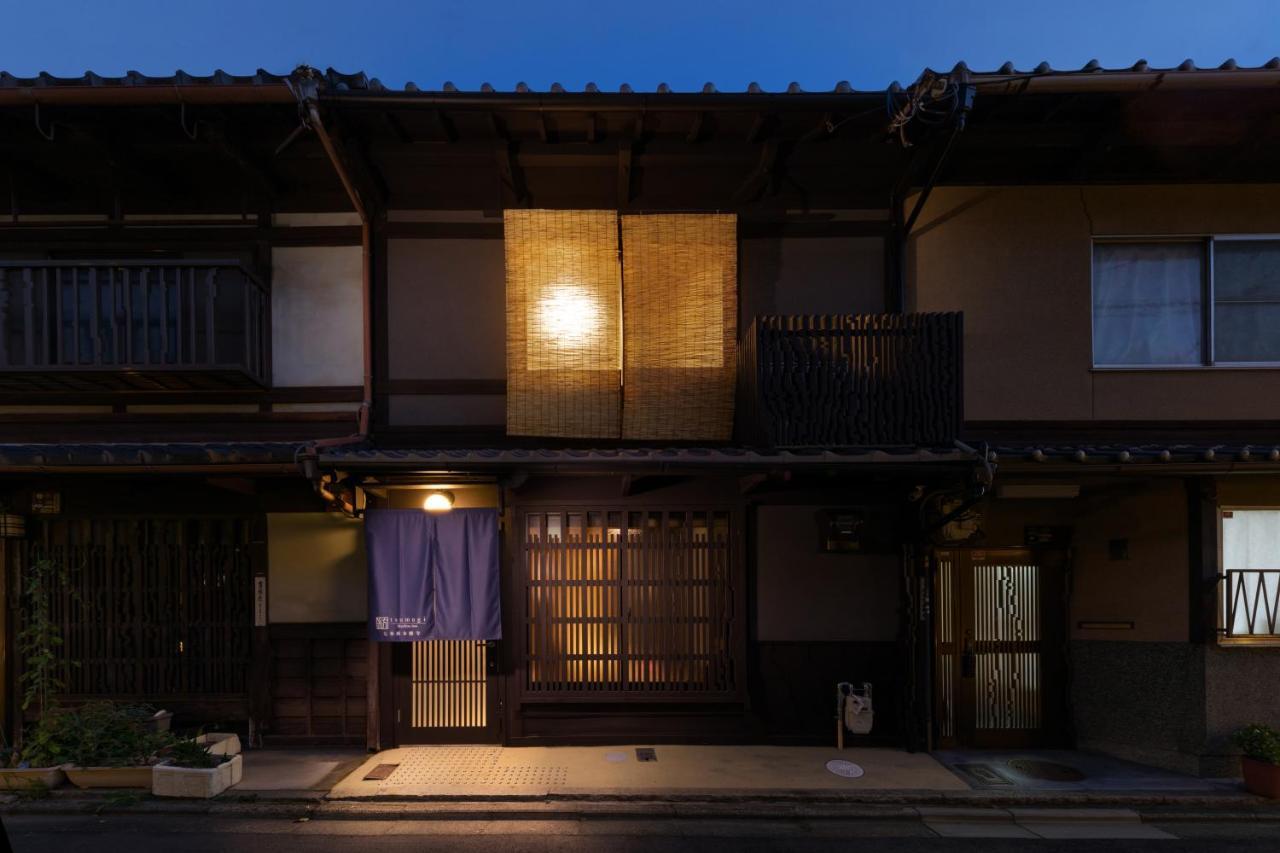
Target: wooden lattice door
column 998, row 639
column 446, row 692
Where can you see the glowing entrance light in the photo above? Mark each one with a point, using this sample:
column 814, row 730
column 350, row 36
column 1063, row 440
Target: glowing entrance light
column 438, row 502
column 569, row 317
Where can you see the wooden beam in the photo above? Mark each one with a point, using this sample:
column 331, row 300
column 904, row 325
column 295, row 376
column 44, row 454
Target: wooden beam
column 761, row 176
column 625, row 153
column 695, row 129
column 444, row 125
column 510, row 177
column 593, row 128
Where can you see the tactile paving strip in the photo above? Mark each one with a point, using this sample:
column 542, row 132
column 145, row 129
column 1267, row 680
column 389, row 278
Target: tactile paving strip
column 469, row 767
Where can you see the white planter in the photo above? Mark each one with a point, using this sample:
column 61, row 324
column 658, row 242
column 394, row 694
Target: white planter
column 220, row 743
column 195, row 782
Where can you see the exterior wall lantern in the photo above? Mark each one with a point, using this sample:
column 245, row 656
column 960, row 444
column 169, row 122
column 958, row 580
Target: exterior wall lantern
column 438, row 501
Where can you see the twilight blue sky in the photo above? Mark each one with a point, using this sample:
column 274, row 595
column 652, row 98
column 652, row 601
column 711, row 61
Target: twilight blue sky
column 731, row 42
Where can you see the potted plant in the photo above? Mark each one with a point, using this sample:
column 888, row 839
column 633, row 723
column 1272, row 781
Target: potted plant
column 114, row 746
column 39, row 760
column 1261, row 760
column 188, row 768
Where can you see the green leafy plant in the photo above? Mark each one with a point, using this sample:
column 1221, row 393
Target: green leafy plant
column 187, row 752
column 107, row 734
column 51, row 741
column 40, row 640
column 1259, row 742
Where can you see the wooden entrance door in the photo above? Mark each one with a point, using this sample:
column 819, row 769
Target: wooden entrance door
column 998, row 633
column 446, row 692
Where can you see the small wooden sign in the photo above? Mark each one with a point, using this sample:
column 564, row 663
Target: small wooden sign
column 260, row 601
column 46, row 503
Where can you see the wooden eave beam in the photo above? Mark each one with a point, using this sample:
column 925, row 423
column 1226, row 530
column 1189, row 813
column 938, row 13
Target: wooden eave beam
column 626, row 150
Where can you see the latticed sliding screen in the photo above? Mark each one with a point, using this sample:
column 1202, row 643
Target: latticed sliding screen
column 628, row 602
column 680, row 282
column 151, row 608
column 1006, row 633
column 450, row 684
column 563, row 323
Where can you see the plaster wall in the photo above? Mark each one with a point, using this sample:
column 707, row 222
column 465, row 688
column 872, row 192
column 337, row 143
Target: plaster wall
column 316, row 570
column 1018, row 262
column 316, row 316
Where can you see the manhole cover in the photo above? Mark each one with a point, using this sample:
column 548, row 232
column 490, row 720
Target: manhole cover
column 1047, row 771
column 847, row 769
column 984, row 774
column 615, row 757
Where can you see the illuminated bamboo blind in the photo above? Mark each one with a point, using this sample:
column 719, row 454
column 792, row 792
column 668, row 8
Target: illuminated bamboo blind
column 680, row 274
column 563, row 323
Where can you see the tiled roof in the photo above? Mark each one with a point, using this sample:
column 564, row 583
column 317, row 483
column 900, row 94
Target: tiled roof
column 359, row 82
column 622, row 457
column 39, row 456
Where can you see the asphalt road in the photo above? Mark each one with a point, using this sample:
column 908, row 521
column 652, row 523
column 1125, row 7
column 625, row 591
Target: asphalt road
column 198, row 834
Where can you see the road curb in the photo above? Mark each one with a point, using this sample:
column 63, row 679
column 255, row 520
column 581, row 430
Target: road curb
column 867, row 805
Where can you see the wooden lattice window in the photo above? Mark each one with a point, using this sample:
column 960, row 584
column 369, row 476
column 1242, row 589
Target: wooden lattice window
column 153, row 608
column 629, row 602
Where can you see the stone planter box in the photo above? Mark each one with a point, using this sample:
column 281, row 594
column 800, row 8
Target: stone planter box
column 17, row 779
column 196, row 782
column 110, row 777
column 220, row 743
column 1261, row 778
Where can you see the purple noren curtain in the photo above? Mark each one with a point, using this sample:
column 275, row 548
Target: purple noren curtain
column 433, row 577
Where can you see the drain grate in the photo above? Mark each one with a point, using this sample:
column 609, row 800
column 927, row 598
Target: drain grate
column 1045, row 771
column 644, row 753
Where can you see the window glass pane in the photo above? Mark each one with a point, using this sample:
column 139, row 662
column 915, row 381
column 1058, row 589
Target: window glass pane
column 1246, row 285
column 1146, row 303
column 1251, row 564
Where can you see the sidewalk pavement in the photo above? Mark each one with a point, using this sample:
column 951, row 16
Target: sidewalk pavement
column 583, row 783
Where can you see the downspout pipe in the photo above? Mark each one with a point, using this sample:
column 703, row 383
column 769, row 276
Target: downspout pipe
column 305, row 84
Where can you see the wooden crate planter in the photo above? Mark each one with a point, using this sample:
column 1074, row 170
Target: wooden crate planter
column 110, row 777
column 196, row 782
column 26, row 778
column 1261, row 777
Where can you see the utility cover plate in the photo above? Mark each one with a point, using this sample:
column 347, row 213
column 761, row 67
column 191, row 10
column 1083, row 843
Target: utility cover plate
column 615, row 757
column 380, row 772
column 644, row 753
column 984, row 774
column 847, row 769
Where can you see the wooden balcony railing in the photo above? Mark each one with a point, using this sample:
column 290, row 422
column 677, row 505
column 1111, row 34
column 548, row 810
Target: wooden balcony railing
column 132, row 325
column 851, row 380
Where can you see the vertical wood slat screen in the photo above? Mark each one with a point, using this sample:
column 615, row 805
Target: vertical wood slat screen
column 563, row 323
column 679, row 310
column 853, row 379
column 947, row 646
column 153, row 608
column 1007, row 638
column 628, row 602
column 450, row 684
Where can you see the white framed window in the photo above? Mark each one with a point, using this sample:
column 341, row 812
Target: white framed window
column 1186, row 302
column 1250, row 580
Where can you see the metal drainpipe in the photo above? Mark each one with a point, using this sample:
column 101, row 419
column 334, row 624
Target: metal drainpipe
column 305, row 86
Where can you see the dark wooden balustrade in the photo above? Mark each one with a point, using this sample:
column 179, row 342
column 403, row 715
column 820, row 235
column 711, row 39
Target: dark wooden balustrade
column 132, row 325
column 851, row 380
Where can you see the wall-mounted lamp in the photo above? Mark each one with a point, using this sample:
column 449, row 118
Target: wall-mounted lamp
column 438, row 501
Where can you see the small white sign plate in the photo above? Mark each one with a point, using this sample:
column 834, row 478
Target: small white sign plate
column 260, row 601
column 847, row 769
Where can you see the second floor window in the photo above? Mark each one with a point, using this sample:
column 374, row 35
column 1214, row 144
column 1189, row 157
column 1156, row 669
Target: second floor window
column 1186, row 303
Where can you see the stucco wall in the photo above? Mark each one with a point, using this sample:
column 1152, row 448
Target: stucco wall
column 316, row 568
column 447, row 303
column 805, row 595
column 1148, row 588
column 316, row 316
column 1017, row 261
column 810, row 275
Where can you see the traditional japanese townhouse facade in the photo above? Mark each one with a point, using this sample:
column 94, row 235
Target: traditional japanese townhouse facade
column 399, row 416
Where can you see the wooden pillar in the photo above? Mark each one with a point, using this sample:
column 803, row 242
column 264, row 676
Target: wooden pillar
column 9, row 579
column 259, row 686
column 1203, row 546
